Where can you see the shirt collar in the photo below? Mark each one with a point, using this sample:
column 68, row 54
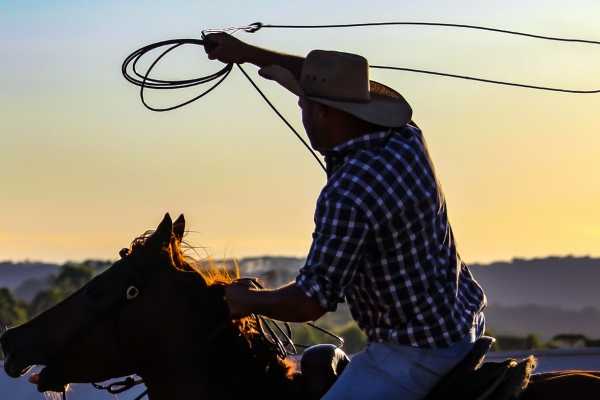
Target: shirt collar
column 335, row 157
column 364, row 141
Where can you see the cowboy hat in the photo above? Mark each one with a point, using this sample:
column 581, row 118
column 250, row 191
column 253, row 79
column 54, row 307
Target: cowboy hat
column 341, row 81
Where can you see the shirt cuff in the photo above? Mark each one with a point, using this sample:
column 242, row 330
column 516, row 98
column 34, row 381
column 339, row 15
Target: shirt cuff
column 318, row 291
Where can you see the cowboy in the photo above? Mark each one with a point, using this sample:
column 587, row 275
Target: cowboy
column 382, row 241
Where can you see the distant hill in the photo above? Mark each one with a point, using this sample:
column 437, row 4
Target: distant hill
column 270, row 263
column 13, row 274
column 25, row 279
column 546, row 296
column 565, row 282
column 275, row 271
column 28, row 289
column 544, row 321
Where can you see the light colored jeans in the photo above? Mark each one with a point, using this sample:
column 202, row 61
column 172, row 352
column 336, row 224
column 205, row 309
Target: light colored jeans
column 392, row 371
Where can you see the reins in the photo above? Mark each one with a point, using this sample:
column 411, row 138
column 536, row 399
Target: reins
column 279, row 334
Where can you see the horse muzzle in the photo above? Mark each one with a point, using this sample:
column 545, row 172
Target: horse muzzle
column 18, row 360
column 15, row 367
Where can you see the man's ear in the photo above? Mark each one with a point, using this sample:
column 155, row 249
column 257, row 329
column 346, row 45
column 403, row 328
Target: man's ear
column 323, row 112
column 179, row 227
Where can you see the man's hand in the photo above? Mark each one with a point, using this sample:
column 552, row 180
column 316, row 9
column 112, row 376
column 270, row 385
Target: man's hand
column 226, row 48
column 238, row 295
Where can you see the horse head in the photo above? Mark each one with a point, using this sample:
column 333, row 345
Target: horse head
column 137, row 317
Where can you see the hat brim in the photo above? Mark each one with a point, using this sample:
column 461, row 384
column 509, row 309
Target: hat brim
column 386, row 107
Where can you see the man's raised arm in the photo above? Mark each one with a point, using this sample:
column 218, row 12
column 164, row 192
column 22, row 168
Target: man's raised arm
column 228, row 49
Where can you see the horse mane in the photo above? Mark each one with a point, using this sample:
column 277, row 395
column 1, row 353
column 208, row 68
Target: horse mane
column 215, row 273
column 211, row 271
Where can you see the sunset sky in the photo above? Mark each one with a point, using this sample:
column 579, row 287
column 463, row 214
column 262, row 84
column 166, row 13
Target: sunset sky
column 84, row 167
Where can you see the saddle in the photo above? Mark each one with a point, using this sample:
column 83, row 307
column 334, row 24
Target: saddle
column 321, row 365
column 470, row 379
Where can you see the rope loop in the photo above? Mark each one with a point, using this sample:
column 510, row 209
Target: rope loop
column 254, row 27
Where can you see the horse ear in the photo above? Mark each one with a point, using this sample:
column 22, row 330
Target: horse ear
column 179, row 227
column 164, row 231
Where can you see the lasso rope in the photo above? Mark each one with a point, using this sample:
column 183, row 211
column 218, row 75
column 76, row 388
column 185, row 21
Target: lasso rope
column 144, row 81
column 280, row 337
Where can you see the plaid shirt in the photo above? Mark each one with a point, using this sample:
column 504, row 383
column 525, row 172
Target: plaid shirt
column 382, row 242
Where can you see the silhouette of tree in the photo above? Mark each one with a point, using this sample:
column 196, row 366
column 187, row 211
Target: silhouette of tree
column 70, row 278
column 571, row 339
column 12, row 311
column 508, row 343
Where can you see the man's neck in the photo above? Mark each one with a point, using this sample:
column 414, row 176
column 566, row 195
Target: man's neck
column 345, row 128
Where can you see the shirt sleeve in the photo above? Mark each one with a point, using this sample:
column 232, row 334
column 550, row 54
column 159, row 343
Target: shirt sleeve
column 335, row 253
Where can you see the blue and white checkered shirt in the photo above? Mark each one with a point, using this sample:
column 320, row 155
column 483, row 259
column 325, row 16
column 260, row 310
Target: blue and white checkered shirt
column 382, row 242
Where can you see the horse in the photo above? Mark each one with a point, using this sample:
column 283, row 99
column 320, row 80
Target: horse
column 157, row 314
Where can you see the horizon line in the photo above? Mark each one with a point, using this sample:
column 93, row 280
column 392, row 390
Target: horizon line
column 512, row 259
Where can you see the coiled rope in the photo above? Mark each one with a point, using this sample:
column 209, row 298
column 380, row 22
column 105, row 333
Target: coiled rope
column 144, row 81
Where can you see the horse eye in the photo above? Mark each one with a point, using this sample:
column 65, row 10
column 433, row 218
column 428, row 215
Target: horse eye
column 132, row 292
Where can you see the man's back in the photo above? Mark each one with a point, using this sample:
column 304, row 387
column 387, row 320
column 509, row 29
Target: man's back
column 387, row 246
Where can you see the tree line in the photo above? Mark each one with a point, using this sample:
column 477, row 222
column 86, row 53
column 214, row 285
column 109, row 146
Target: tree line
column 70, row 278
